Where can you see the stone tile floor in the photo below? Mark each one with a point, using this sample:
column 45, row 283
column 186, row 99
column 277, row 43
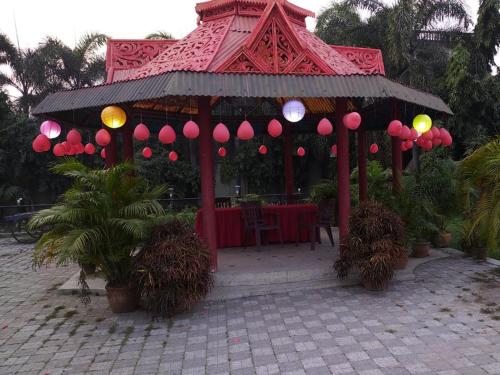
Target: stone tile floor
column 444, row 322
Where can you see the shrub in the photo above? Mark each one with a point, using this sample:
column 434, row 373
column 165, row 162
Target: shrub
column 323, row 192
column 374, row 244
column 173, row 270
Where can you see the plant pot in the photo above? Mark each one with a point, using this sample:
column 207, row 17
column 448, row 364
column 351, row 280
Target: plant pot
column 443, row 239
column 420, row 249
column 401, row 262
column 88, row 268
column 122, row 299
column 480, row 253
column 368, row 285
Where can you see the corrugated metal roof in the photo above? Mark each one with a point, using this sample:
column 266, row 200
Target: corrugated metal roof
column 237, row 85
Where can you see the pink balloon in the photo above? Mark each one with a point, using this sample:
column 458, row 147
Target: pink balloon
column 59, row 150
column 89, row 149
column 420, row 141
column 141, row 133
column 167, row 135
column 447, row 140
column 394, row 128
column 414, row 134
column 352, row 120
column 435, row 132
column 103, row 153
column 301, row 151
column 403, row 147
column 443, row 132
column 405, row 133
column 147, row 152
column 221, row 133
column 263, row 150
column 245, row 131
column 408, row 144
column 74, row 137
column 51, row 129
column 41, row 143
column 103, row 138
column 173, row 156
column 67, row 147
column 274, row 128
column 79, row 149
column 325, row 127
column 374, row 148
column 437, row 141
column 191, row 130
column 334, row 150
column 428, row 135
column 427, row 145
column 222, row 152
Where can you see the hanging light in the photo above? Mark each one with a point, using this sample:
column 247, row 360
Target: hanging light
column 50, row 129
column 113, row 117
column 294, row 110
column 422, row 123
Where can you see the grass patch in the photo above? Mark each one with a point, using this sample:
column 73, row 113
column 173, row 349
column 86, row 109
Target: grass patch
column 487, row 310
column 112, row 328
column 54, row 312
column 128, row 331
column 70, row 313
column 76, row 326
column 445, row 309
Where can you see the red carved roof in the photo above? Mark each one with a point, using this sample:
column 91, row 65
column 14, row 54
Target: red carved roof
column 242, row 36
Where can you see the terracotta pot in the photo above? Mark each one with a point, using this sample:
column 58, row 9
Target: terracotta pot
column 401, row 262
column 421, row 249
column 122, row 299
column 88, row 268
column 369, row 286
column 443, row 239
column 480, row 253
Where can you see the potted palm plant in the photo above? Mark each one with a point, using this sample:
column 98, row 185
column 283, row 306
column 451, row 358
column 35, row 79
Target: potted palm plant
column 324, row 195
column 103, row 216
column 443, row 237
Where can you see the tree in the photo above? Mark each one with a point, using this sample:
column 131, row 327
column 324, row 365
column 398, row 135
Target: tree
column 487, row 30
column 160, row 35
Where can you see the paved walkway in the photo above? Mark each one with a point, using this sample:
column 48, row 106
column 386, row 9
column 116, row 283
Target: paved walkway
column 444, row 322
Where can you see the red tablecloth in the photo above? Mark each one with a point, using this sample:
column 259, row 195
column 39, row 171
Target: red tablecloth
column 230, row 224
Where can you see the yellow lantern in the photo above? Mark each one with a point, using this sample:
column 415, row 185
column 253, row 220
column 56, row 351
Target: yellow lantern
column 422, row 124
column 113, row 117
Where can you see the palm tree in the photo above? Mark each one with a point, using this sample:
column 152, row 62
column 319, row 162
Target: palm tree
column 487, row 30
column 81, row 66
column 160, row 35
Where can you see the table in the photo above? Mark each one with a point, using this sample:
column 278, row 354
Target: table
column 229, row 224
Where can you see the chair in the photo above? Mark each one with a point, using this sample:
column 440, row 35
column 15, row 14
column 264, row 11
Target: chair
column 323, row 219
column 254, row 221
column 224, row 202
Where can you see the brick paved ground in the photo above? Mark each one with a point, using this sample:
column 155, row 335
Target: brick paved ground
column 445, row 322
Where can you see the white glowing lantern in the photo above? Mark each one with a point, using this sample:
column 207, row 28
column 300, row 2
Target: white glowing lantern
column 294, row 110
column 50, row 129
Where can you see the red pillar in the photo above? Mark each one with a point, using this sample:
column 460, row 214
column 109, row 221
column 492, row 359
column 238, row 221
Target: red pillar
column 397, row 155
column 128, row 143
column 288, row 162
column 344, row 195
column 363, row 177
column 207, row 178
column 111, row 151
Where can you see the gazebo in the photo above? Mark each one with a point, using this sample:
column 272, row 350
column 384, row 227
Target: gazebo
column 259, row 50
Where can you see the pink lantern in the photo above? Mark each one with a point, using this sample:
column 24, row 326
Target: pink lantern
column 167, row 135
column 394, row 128
column 435, row 132
column 103, row 138
column 67, row 147
column 79, row 148
column 173, row 156
column 222, row 152
column 103, row 153
column 428, row 135
column 427, row 145
column 221, row 133
column 74, row 137
column 352, row 120
column 437, row 141
column 414, row 134
column 325, row 127
column 373, row 148
column 334, row 150
column 59, row 150
column 420, row 141
column 141, row 133
column 41, row 143
column 443, row 133
column 263, row 150
column 147, row 152
column 274, row 128
column 403, row 147
column 245, row 131
column 408, row 144
column 191, row 130
column 89, row 149
column 447, row 140
column 405, row 133
column 50, row 129
column 301, row 152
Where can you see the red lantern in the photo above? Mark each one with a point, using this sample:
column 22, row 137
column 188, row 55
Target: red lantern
column 167, row 135
column 301, row 152
column 141, row 133
column 374, row 148
column 352, row 120
column 435, row 132
column 447, row 140
column 263, row 150
column 334, row 150
column 245, row 131
column 79, row 149
column 59, row 150
column 103, row 153
column 147, row 152
column 191, row 130
column 443, row 133
column 414, row 134
column 394, row 128
column 427, row 145
column 67, row 147
column 74, row 137
column 408, row 144
column 221, row 133
column 41, row 143
column 89, row 149
column 173, row 156
column 437, row 141
column 325, row 127
column 405, row 133
column 428, row 135
column 222, row 152
column 103, row 138
column 274, row 128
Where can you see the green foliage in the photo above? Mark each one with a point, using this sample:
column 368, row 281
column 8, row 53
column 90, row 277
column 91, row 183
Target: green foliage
column 324, row 192
column 160, row 35
column 378, row 181
column 487, row 30
column 100, row 220
column 173, row 270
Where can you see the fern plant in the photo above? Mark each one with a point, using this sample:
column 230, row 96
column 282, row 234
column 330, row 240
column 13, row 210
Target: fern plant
column 100, row 220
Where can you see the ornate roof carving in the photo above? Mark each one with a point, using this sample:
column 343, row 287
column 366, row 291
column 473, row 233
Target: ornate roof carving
column 369, row 60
